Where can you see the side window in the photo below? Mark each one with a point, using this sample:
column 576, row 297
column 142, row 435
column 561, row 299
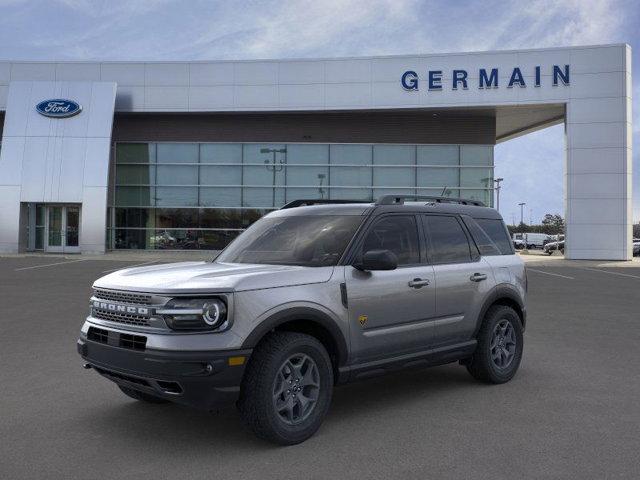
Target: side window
column 397, row 233
column 485, row 244
column 497, row 232
column 448, row 241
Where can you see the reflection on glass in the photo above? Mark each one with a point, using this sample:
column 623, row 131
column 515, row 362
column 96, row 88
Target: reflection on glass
column 73, row 226
column 55, row 227
column 157, row 182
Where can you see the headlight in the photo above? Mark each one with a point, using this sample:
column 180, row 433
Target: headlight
column 195, row 313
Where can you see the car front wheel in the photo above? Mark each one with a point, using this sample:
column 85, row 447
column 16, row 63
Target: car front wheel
column 287, row 388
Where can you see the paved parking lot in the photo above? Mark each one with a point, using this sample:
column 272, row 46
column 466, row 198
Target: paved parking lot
column 573, row 410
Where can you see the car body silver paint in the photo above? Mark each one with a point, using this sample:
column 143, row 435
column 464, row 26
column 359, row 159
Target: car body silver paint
column 398, row 318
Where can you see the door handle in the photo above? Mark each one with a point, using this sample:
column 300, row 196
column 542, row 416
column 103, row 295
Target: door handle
column 478, row 277
column 418, row 283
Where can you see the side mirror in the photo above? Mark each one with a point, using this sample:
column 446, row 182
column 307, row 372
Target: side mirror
column 378, row 260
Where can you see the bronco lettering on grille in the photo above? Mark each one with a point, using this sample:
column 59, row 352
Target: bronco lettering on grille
column 117, row 308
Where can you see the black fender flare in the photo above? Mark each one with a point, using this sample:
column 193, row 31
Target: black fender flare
column 300, row 313
column 500, row 292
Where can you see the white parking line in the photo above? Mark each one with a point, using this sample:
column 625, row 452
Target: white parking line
column 549, row 273
column 130, row 266
column 611, row 273
column 49, row 265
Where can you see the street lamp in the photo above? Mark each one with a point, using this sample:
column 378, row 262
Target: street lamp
column 497, row 182
column 274, row 166
column 522, row 212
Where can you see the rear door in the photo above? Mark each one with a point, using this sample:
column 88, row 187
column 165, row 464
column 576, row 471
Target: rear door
column 391, row 312
column 463, row 279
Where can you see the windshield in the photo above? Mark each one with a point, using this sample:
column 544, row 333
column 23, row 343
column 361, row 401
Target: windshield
column 309, row 241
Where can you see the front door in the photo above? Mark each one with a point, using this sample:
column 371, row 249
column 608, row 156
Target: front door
column 391, row 312
column 62, row 229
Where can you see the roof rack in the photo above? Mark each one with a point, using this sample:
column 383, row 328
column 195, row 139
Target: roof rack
column 317, row 201
column 400, row 199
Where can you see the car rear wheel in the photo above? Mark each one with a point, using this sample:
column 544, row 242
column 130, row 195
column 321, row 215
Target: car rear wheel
column 287, row 388
column 141, row 396
column 500, row 344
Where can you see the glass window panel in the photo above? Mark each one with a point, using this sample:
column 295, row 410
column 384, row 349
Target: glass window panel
column 40, row 216
column 176, row 217
column 135, row 152
column 39, row 238
column 134, row 196
column 483, row 195
column 351, row 194
column 220, row 197
column 251, row 215
column 399, row 234
column 132, row 239
column 351, row 176
column 220, row 175
column 448, row 242
column 476, row 155
column 221, row 153
column 306, row 193
column 176, row 196
column 135, row 174
column 177, row 175
column 394, row 154
column 262, row 197
column 177, row 152
column 134, row 217
column 263, row 174
column 394, row 177
column 379, row 192
column 476, row 177
column 307, row 176
column 351, row 154
column 438, row 155
column 222, row 218
column 314, row 154
column 439, row 192
column 438, row 177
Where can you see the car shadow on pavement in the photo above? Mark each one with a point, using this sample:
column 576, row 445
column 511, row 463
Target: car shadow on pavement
column 188, row 431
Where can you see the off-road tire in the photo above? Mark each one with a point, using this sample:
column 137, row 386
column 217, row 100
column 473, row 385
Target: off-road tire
column 141, row 396
column 481, row 365
column 257, row 405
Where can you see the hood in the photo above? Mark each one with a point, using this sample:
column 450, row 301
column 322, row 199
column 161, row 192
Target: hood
column 190, row 277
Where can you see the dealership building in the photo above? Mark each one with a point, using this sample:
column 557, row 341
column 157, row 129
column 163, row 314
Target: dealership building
column 99, row 156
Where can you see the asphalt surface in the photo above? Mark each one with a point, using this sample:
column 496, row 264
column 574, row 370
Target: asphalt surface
column 573, row 410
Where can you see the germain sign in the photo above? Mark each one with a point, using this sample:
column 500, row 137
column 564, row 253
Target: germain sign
column 58, row 108
column 487, row 78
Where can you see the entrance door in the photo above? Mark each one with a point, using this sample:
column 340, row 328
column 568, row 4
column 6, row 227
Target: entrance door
column 62, row 229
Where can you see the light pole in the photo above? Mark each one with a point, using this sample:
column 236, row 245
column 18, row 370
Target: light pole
column 274, row 166
column 497, row 182
column 522, row 212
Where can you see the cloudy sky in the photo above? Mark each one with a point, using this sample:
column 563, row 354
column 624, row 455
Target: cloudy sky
column 207, row 30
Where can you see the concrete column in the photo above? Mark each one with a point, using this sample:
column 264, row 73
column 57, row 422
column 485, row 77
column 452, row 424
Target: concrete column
column 598, row 206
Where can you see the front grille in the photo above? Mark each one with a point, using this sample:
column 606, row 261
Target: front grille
column 98, row 335
column 123, row 297
column 126, row 318
column 134, row 342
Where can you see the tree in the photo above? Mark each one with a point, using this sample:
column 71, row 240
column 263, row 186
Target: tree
column 553, row 224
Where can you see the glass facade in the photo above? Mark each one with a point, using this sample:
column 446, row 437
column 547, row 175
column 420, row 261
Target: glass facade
column 202, row 195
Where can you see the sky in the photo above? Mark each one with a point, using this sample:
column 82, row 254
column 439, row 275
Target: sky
column 532, row 166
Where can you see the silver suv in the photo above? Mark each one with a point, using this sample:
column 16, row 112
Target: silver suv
column 315, row 294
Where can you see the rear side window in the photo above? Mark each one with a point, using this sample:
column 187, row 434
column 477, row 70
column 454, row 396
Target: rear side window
column 496, row 231
column 448, row 242
column 396, row 233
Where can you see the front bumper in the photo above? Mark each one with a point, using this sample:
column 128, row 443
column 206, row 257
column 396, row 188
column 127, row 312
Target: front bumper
column 203, row 379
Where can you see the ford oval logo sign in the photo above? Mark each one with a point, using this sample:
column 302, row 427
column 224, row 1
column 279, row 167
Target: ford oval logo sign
column 58, row 108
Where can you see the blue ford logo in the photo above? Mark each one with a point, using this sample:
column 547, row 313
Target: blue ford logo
column 58, row 108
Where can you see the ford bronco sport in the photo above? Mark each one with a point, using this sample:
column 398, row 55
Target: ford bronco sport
column 312, row 295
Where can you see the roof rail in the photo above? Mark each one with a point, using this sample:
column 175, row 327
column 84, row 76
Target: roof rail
column 400, row 199
column 317, row 201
